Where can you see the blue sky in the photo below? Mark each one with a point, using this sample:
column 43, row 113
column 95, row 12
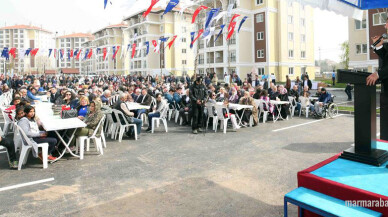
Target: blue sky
column 68, row 16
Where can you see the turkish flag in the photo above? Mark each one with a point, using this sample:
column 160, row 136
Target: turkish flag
column 90, row 53
column 197, row 12
column 231, row 31
column 172, row 42
column 78, row 54
column 12, row 52
column 104, row 51
column 153, row 3
column 231, row 21
column 199, row 35
column 117, row 50
column 133, row 50
column 71, row 53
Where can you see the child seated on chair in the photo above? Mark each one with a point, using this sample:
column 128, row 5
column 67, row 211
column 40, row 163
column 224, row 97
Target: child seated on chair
column 31, row 128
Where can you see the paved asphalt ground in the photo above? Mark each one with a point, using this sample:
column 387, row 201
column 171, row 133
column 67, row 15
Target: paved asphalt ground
column 244, row 173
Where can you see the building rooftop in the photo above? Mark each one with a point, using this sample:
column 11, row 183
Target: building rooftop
column 120, row 25
column 29, row 27
column 78, row 35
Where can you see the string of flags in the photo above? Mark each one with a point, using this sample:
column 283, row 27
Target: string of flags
column 213, row 15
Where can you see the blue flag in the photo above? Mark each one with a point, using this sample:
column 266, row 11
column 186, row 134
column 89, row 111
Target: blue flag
column 28, row 51
column 68, row 54
column 242, row 22
column 147, row 43
column 75, row 52
column 98, row 50
column 164, row 39
column 61, row 54
column 210, row 16
column 86, row 54
column 50, row 50
column 192, row 39
column 5, row 53
column 206, row 33
column 219, row 34
column 105, row 2
column 171, row 5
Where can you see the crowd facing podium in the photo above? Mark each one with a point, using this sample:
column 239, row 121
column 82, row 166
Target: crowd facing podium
column 89, row 98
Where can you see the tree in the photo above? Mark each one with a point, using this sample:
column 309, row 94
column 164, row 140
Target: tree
column 345, row 54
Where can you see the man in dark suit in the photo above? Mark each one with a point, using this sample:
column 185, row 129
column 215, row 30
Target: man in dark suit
column 382, row 75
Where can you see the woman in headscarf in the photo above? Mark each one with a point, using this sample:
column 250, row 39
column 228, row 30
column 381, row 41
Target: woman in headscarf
column 233, row 97
column 248, row 100
column 283, row 96
column 91, row 120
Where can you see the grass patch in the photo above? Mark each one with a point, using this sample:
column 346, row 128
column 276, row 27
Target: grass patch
column 351, row 109
column 329, row 82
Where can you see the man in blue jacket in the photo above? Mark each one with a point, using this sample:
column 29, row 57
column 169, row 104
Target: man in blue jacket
column 324, row 99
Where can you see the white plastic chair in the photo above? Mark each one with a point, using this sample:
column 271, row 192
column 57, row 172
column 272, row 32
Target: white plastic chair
column 210, row 114
column 27, row 147
column 98, row 141
column 304, row 106
column 121, row 128
column 220, row 116
column 163, row 118
column 263, row 104
column 8, row 123
column 293, row 104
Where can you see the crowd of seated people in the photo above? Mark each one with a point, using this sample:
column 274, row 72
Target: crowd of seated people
column 115, row 92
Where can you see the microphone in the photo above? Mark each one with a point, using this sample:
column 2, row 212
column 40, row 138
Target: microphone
column 384, row 36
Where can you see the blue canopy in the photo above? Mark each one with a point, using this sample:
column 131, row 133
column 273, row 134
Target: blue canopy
column 367, row 4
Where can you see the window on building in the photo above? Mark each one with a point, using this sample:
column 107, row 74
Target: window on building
column 232, row 56
column 184, row 29
column 290, row 36
column 184, row 62
column 260, row 36
column 360, row 24
column 290, row 19
column 302, row 22
column 303, row 38
column 1, row 32
column 361, row 48
column 291, row 53
column 289, row 3
column 260, row 53
column 183, row 50
column 259, row 18
column 184, row 40
column 259, row 2
column 83, row 40
column 291, row 71
column 379, row 18
column 161, row 28
column 303, row 54
column 261, row 71
column 201, row 59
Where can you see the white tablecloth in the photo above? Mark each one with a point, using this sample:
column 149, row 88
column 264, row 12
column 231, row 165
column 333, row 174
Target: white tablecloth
column 136, row 106
column 53, row 123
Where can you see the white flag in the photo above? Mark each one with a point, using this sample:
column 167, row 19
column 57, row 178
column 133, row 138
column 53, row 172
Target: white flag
column 107, row 53
column 220, row 15
column 139, row 48
column 208, row 37
column 21, row 53
column 230, row 7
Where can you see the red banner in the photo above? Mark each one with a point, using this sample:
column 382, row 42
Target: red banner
column 104, row 51
column 117, row 50
column 231, row 21
column 232, row 26
column 199, row 35
column 133, row 50
column 197, row 12
column 90, row 53
column 34, row 51
column 78, row 54
column 172, row 42
column 153, row 3
column 12, row 52
column 71, row 53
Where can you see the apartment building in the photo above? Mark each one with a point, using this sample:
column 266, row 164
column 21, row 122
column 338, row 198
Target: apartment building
column 277, row 39
column 361, row 57
column 24, row 37
column 106, row 37
column 179, row 60
column 71, row 43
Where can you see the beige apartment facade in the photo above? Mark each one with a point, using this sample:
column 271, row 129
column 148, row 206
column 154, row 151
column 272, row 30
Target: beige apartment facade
column 179, row 60
column 25, row 37
column 277, row 39
column 361, row 57
column 71, row 43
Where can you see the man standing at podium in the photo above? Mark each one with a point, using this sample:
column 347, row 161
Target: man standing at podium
column 382, row 75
